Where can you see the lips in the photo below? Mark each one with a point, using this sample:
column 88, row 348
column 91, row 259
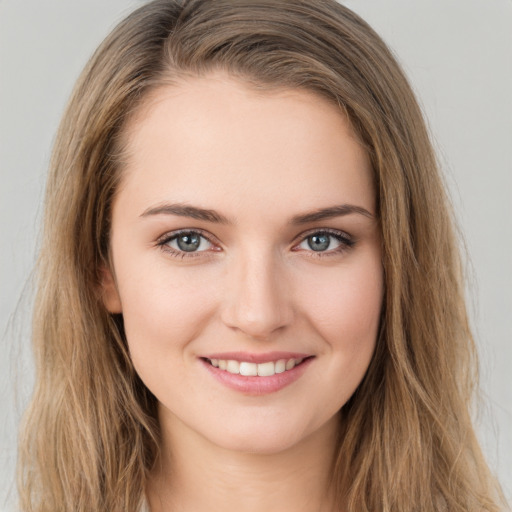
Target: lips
column 257, row 374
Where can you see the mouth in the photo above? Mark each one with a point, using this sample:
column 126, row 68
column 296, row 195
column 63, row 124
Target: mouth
column 257, row 374
column 252, row 369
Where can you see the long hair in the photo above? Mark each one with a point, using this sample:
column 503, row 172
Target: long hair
column 91, row 434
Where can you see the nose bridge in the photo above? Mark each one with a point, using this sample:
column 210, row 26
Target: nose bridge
column 258, row 302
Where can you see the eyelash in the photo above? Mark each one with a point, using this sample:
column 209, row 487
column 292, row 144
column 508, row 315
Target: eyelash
column 346, row 241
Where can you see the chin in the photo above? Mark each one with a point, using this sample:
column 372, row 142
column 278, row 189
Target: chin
column 261, row 443
column 268, row 438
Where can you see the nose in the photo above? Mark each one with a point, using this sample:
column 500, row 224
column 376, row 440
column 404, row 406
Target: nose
column 257, row 301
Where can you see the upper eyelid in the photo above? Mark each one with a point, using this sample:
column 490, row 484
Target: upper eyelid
column 169, row 235
column 207, row 234
column 329, row 231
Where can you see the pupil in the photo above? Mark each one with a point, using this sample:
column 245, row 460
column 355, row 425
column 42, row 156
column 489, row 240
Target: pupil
column 188, row 242
column 319, row 242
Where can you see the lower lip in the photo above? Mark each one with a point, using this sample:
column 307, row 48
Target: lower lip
column 258, row 385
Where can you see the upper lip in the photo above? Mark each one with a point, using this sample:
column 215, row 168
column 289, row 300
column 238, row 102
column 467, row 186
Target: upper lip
column 256, row 358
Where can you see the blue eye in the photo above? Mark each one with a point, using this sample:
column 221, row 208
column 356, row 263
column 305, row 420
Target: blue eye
column 326, row 242
column 187, row 242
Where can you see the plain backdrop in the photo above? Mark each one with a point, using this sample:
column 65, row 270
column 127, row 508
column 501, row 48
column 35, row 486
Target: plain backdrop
column 458, row 55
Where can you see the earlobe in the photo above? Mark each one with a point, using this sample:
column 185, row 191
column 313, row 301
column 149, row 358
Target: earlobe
column 109, row 293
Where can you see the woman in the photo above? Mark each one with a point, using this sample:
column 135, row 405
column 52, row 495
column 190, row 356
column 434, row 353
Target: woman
column 250, row 294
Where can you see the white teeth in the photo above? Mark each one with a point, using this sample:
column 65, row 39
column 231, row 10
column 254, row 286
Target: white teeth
column 266, row 369
column 254, row 369
column 280, row 366
column 233, row 366
column 249, row 369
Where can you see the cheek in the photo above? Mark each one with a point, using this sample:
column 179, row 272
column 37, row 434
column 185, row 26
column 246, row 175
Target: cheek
column 347, row 317
column 344, row 306
column 164, row 310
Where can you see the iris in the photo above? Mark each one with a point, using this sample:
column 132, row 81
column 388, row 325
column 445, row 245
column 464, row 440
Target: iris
column 188, row 242
column 319, row 242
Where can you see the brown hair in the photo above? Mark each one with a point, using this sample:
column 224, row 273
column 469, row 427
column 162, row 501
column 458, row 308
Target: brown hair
column 91, row 433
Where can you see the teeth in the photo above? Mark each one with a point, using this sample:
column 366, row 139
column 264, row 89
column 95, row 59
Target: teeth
column 254, row 369
column 267, row 369
column 249, row 369
column 233, row 366
column 280, row 366
column 290, row 364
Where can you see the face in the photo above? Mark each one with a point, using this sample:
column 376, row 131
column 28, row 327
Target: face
column 246, row 261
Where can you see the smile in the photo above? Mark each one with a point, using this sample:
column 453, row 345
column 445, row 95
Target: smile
column 256, row 374
column 250, row 369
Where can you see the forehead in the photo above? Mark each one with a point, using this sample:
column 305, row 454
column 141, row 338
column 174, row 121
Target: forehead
column 217, row 139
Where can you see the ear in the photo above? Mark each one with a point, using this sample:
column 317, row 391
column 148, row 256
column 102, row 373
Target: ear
column 109, row 293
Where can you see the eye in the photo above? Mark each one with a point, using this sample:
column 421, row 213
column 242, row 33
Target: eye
column 185, row 242
column 326, row 241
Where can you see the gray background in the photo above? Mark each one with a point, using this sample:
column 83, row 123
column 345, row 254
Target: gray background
column 458, row 55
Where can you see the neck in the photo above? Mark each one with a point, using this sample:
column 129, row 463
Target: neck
column 193, row 474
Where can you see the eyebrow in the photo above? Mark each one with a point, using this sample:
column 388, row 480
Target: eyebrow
column 183, row 210
column 329, row 213
column 208, row 215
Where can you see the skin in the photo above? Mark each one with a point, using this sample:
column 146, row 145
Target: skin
column 259, row 159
